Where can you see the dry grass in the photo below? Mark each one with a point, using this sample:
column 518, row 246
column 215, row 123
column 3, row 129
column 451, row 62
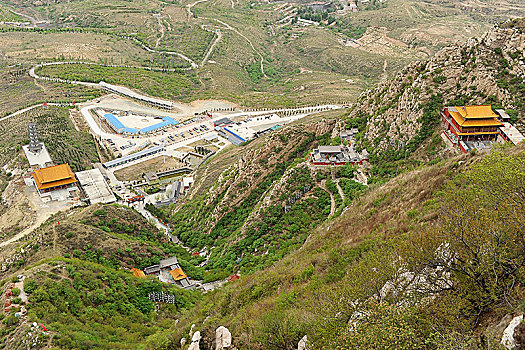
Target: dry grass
column 405, row 204
column 134, row 172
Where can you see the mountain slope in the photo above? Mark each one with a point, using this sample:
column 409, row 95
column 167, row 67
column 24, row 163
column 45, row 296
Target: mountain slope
column 374, row 268
column 382, row 262
column 78, row 286
column 265, row 200
column 401, row 114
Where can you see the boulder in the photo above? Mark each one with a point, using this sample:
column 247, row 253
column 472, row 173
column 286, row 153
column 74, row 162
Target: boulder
column 303, row 343
column 195, row 339
column 223, row 338
column 507, row 340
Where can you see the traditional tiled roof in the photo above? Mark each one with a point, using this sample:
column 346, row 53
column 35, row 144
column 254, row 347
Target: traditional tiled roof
column 330, row 149
column 57, row 175
column 138, row 273
column 168, row 262
column 178, row 274
column 459, row 113
column 476, row 112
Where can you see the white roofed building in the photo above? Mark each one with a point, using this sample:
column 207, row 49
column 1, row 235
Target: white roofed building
column 95, row 187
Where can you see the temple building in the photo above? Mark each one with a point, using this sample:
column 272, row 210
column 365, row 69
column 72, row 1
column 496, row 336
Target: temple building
column 137, row 273
column 55, row 182
column 471, row 127
column 169, row 271
column 337, row 155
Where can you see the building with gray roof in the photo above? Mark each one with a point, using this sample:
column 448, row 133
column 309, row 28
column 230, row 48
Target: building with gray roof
column 133, row 157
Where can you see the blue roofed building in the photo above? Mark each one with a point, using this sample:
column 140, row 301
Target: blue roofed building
column 118, row 127
column 166, row 121
column 115, row 124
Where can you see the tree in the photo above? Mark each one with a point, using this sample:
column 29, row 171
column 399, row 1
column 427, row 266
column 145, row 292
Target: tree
column 481, row 239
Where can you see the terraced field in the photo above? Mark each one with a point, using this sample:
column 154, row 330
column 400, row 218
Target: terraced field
column 255, row 61
column 170, row 85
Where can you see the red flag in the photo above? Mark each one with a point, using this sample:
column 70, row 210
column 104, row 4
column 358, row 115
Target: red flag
column 44, row 328
column 59, row 222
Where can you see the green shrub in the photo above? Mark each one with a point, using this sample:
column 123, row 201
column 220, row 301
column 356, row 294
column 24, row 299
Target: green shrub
column 412, row 213
column 30, row 285
column 100, row 212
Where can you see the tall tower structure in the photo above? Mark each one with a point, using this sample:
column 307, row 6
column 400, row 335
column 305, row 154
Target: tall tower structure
column 34, row 145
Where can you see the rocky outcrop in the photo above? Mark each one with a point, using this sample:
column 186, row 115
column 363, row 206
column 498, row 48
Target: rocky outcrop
column 488, row 70
column 223, row 338
column 508, row 340
column 236, row 182
column 303, row 343
column 195, row 340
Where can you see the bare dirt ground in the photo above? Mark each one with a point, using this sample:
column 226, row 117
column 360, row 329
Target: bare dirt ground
column 34, row 213
column 180, row 109
column 376, row 41
column 134, row 172
column 18, row 213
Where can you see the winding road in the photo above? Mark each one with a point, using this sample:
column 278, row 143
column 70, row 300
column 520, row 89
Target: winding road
column 32, row 19
column 174, row 53
column 20, row 111
column 245, row 38
column 193, row 64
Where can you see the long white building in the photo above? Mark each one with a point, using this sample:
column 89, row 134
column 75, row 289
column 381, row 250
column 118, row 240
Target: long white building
column 121, row 90
column 133, row 156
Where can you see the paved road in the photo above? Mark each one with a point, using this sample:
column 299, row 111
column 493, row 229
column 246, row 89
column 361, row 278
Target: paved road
column 32, row 19
column 184, row 57
column 36, row 76
column 86, row 113
column 32, row 107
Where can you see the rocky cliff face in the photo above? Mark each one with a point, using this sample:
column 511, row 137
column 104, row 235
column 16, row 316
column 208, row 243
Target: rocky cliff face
column 489, row 69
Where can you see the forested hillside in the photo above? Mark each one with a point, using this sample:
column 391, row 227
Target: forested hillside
column 78, row 284
column 264, row 204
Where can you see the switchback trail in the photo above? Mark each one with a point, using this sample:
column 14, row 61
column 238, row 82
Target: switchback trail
column 190, row 14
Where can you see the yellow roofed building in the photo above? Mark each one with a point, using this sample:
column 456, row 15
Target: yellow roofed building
column 467, row 124
column 54, row 178
column 137, row 272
